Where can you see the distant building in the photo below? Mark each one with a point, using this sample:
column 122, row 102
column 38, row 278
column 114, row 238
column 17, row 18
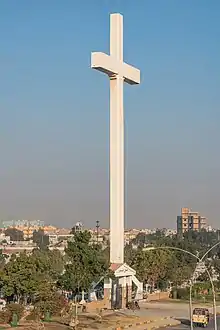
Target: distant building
column 170, row 232
column 55, row 239
column 28, row 227
column 190, row 220
column 78, row 227
column 21, row 223
column 4, row 238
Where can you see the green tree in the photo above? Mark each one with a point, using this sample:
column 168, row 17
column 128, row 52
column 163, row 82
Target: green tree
column 152, row 266
column 140, row 239
column 19, row 277
column 180, row 274
column 183, row 264
column 41, row 239
column 129, row 254
column 15, row 234
column 23, row 274
column 48, row 299
column 49, row 262
column 86, row 263
column 2, row 259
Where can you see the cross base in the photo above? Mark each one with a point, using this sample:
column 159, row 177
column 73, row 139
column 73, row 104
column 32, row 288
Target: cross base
column 118, row 291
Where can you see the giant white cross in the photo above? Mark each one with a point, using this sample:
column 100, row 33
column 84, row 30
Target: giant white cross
column 118, row 72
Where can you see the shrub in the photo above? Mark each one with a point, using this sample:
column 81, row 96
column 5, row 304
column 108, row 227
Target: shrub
column 34, row 315
column 5, row 317
column 181, row 293
column 15, row 308
column 52, row 304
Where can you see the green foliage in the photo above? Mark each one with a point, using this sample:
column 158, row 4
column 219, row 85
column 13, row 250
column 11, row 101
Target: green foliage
column 181, row 273
column 49, row 262
column 15, row 234
column 86, row 263
column 152, row 266
column 48, row 299
column 41, row 239
column 37, row 276
column 106, row 254
column 5, row 317
column 172, row 265
column 215, row 263
column 23, row 275
column 180, row 293
column 200, row 290
column 17, row 309
column 129, row 254
column 35, row 315
column 19, row 276
column 2, row 259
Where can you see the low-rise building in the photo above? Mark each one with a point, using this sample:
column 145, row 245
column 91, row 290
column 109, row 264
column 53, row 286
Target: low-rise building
column 57, row 238
column 4, row 239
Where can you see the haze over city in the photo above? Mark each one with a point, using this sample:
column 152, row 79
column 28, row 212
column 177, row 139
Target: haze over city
column 55, row 111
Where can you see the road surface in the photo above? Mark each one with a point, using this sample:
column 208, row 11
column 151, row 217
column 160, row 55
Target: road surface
column 186, row 325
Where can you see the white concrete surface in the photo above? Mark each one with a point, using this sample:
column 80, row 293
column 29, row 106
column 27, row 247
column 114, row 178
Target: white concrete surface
column 118, row 72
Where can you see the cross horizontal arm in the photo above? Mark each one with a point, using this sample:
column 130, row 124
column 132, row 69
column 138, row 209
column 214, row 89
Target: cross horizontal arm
column 131, row 74
column 111, row 66
column 105, row 63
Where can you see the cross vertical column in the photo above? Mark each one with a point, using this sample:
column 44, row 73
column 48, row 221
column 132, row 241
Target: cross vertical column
column 116, row 36
column 116, row 145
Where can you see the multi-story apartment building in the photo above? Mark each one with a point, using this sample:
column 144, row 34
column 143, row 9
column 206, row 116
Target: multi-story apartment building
column 190, row 220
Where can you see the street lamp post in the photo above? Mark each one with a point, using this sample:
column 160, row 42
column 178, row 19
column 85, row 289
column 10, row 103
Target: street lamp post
column 209, row 275
column 190, row 305
column 212, row 284
column 97, row 231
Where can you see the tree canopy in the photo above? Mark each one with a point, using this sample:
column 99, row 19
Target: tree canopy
column 15, row 234
column 41, row 239
column 26, row 275
column 86, row 263
column 23, row 274
column 169, row 265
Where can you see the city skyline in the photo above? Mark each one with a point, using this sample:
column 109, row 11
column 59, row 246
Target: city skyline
column 54, row 127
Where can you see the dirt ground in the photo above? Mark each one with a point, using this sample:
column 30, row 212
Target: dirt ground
column 108, row 320
column 87, row 321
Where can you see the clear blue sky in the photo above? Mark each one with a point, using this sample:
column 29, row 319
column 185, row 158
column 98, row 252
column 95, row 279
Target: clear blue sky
column 55, row 110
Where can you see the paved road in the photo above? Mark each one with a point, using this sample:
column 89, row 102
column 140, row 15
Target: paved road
column 157, row 310
column 169, row 309
column 186, row 325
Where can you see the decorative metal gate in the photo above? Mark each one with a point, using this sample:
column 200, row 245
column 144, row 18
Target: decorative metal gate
column 118, row 297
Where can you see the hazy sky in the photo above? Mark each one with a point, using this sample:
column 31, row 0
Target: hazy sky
column 55, row 110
